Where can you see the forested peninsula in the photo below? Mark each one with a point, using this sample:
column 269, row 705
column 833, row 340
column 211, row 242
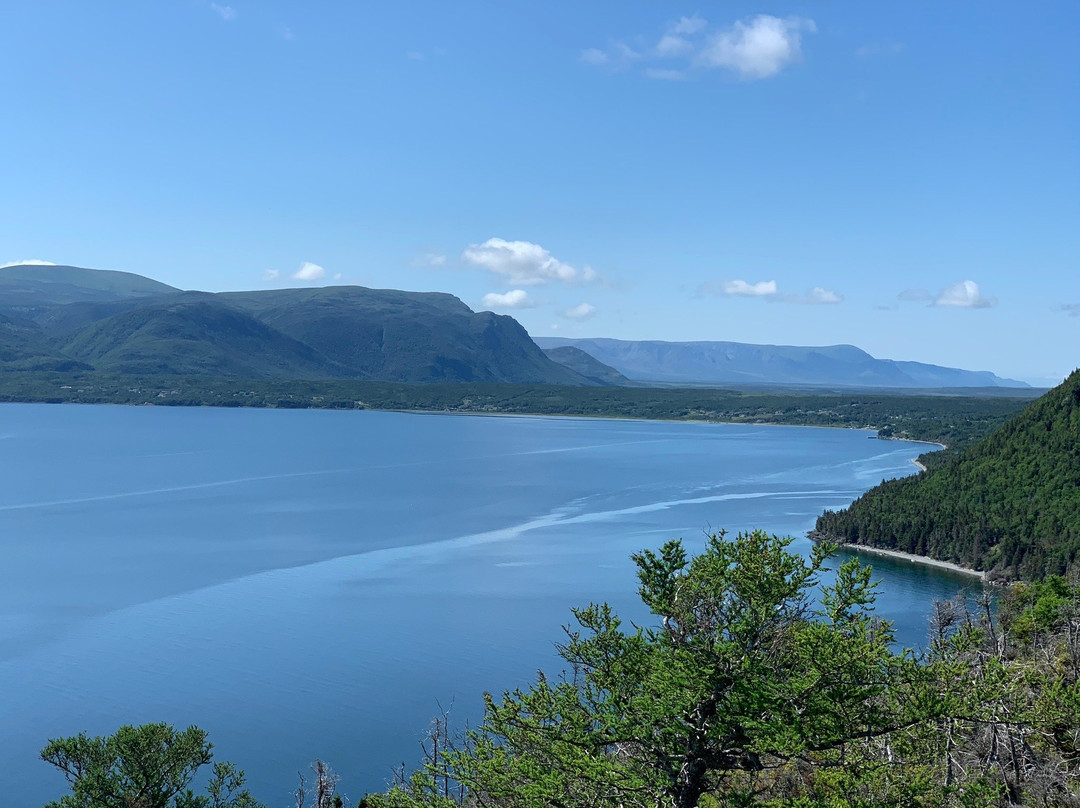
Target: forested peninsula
column 1009, row 504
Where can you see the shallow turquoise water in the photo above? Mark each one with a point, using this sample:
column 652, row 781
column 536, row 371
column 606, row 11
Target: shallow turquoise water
column 315, row 584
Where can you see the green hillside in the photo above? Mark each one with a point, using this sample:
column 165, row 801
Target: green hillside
column 1010, row 504
column 24, row 348
column 196, row 336
column 417, row 337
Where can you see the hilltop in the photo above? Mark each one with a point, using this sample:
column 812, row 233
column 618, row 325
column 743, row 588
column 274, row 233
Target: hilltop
column 1009, row 504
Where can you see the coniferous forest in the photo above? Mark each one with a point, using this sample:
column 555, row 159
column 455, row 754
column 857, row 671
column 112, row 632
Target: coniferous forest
column 1010, row 504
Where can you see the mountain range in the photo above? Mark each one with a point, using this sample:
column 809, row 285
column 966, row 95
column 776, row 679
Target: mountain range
column 736, row 363
column 67, row 319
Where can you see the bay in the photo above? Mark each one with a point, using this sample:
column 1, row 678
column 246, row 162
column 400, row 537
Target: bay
column 308, row 584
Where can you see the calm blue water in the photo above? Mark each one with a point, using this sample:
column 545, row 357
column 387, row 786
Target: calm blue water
column 315, row 584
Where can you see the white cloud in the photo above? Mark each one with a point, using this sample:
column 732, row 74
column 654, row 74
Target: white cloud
column 964, row 295
column 582, row 311
column 29, row 262
column 271, row 275
column 522, row 262
column 226, row 13
column 309, row 272
column 768, row 290
column 415, row 56
column 429, row 259
column 759, row 48
column 744, row 289
column 754, row 48
column 818, row 296
column 514, row 299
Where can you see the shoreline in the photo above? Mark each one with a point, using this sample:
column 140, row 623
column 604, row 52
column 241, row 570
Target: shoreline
column 898, row 555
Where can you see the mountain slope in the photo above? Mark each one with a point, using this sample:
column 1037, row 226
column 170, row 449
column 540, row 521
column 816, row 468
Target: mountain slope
column 24, row 348
column 580, row 362
column 740, row 363
column 406, row 336
column 196, row 335
column 1010, row 503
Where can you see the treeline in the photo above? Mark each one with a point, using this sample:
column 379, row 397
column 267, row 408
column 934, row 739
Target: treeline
column 954, row 420
column 741, row 693
column 1009, row 504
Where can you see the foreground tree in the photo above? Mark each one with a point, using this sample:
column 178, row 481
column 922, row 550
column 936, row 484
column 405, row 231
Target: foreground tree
column 149, row 766
column 740, row 685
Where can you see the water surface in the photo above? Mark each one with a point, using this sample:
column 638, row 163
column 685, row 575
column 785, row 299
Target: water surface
column 316, row 584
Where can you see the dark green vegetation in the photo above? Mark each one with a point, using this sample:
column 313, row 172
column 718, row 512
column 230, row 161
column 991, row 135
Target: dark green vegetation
column 743, row 364
column 65, row 318
column 151, row 766
column 1009, row 504
column 953, row 420
column 743, row 692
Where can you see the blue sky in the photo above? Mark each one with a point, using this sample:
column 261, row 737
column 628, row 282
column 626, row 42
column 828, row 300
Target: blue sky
column 902, row 177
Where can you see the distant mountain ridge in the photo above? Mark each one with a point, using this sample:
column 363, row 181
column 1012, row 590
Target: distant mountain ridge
column 747, row 364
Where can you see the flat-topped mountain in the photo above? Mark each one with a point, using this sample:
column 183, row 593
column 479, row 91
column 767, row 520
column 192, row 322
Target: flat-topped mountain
column 1009, row 504
column 53, row 284
column 743, row 364
column 123, row 323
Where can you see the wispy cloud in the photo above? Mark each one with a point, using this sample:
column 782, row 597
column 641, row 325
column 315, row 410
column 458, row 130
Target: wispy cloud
column 514, row 299
column 742, row 288
column 227, row 13
column 582, row 311
column 964, row 295
column 1073, row 309
column 29, row 262
column 768, row 290
column 522, row 262
column 753, row 48
column 271, row 275
column 309, row 272
column 429, row 259
column 818, row 296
